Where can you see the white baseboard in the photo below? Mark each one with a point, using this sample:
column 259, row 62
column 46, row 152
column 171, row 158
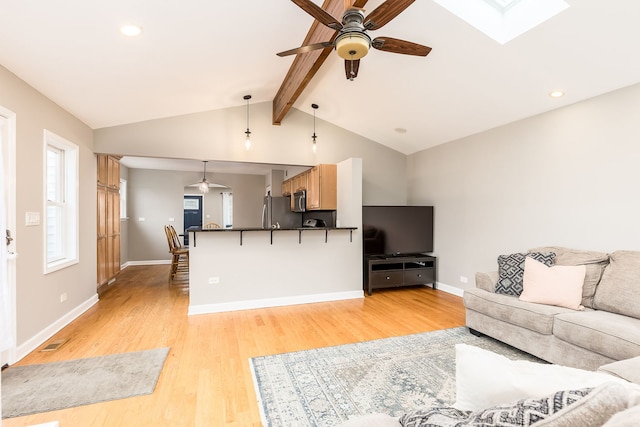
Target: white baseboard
column 152, row 262
column 449, row 289
column 273, row 302
column 38, row 339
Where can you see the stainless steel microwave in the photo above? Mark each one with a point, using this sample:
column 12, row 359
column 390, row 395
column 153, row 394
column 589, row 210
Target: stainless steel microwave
column 300, row 201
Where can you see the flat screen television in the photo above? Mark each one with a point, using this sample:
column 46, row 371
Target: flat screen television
column 397, row 230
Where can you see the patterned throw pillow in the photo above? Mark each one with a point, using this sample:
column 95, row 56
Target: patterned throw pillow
column 511, row 270
column 585, row 407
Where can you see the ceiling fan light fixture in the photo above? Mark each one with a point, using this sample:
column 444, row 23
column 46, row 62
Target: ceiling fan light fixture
column 353, row 46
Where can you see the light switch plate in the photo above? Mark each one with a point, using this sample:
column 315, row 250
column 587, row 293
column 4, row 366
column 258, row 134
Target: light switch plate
column 32, row 218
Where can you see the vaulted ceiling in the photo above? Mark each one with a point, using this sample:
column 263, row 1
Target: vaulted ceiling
column 198, row 55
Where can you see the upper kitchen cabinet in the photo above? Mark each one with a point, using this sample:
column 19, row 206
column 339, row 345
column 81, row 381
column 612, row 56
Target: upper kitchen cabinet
column 286, row 187
column 322, row 187
column 109, row 171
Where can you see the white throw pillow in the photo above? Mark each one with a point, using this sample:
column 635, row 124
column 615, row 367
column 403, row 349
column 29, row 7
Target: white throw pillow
column 559, row 285
column 485, row 379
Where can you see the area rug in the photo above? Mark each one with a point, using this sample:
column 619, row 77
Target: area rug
column 327, row 386
column 46, row 387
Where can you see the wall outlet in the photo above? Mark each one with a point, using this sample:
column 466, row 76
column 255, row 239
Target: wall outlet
column 141, row 219
column 464, row 279
column 214, row 280
column 172, row 220
column 63, row 297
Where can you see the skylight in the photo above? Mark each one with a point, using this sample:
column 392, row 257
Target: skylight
column 504, row 20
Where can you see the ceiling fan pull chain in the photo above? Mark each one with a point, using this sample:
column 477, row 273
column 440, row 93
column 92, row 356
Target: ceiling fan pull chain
column 352, row 73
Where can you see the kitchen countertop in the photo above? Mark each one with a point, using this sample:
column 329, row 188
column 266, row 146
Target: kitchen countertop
column 198, row 229
column 241, row 230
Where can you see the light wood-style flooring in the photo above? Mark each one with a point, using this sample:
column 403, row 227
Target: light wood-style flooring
column 206, row 380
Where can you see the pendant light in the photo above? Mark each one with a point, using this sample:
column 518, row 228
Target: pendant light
column 247, row 142
column 314, row 147
column 203, row 186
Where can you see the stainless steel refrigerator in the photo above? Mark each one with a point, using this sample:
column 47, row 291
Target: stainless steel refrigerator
column 276, row 212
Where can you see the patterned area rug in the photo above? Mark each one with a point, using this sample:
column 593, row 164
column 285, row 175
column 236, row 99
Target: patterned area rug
column 46, row 387
column 327, row 386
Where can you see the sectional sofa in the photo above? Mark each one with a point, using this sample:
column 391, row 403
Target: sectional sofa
column 603, row 327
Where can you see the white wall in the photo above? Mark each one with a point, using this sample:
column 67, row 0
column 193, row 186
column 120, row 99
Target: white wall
column 262, row 273
column 569, row 177
column 157, row 196
column 39, row 310
column 219, row 135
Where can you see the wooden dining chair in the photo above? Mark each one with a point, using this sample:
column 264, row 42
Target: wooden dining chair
column 179, row 254
column 211, row 225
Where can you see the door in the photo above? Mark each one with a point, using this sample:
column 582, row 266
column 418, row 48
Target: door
column 192, row 214
column 7, row 228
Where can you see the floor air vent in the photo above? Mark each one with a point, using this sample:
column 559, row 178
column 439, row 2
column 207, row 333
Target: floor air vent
column 53, row 346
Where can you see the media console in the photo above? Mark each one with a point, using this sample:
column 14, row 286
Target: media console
column 386, row 271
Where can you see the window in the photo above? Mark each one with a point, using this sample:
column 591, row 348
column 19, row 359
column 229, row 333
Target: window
column 61, row 202
column 227, row 209
column 123, row 198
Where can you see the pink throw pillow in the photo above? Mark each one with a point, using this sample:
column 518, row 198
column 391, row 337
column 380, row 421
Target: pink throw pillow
column 559, row 285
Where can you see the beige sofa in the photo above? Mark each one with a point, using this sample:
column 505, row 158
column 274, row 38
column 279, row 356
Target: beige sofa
column 607, row 330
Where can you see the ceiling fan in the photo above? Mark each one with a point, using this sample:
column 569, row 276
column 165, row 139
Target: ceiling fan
column 352, row 41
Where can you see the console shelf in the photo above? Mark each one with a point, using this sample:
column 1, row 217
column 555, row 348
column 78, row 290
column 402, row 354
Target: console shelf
column 382, row 271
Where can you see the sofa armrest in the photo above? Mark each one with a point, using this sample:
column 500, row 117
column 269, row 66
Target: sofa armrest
column 487, row 281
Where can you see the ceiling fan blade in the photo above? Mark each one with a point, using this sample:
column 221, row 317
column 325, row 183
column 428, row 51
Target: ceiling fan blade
column 385, row 13
column 351, row 68
column 389, row 44
column 319, row 14
column 305, row 49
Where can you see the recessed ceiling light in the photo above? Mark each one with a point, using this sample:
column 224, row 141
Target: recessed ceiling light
column 556, row 94
column 131, row 30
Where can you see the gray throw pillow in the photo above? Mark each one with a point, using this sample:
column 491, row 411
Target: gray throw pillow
column 511, row 270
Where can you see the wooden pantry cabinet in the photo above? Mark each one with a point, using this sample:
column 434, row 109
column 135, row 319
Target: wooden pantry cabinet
column 108, row 217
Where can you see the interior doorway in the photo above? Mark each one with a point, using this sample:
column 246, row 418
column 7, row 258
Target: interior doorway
column 8, row 254
column 192, row 215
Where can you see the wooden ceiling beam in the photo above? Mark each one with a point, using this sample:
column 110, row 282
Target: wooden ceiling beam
column 305, row 65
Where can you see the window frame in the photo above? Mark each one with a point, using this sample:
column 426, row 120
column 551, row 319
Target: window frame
column 123, row 200
column 67, row 253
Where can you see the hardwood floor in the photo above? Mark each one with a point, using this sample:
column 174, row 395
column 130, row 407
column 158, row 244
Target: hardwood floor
column 206, row 380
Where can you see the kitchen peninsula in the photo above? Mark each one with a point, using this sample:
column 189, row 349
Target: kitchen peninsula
column 243, row 268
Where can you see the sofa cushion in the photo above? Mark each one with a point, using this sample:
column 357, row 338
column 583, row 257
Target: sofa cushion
column 511, row 269
column 628, row 369
column 485, row 378
column 619, row 288
column 609, row 334
column 559, row 285
column 595, row 263
column 627, row 418
column 535, row 317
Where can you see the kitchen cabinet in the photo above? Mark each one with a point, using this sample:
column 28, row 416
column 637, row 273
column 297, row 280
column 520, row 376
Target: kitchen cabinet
column 322, row 187
column 286, row 187
column 299, row 182
column 108, row 218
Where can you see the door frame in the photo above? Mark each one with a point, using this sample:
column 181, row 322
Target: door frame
column 200, row 208
column 9, row 356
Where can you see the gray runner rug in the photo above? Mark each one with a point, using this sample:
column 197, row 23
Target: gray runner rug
column 327, row 386
column 46, row 387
